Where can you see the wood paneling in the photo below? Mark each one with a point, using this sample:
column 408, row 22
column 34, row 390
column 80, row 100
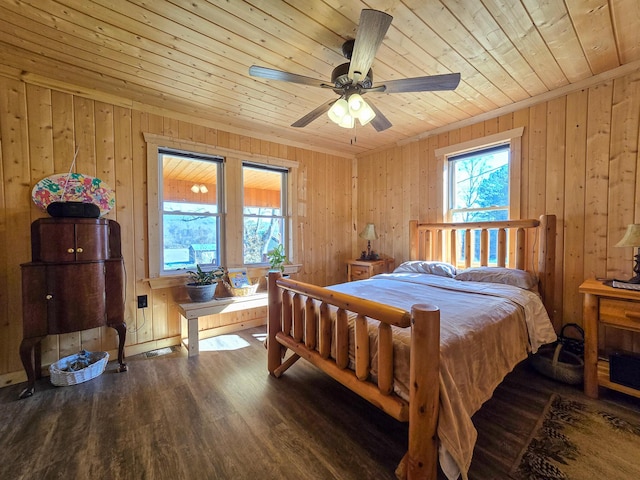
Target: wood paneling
column 40, row 132
column 579, row 161
column 193, row 58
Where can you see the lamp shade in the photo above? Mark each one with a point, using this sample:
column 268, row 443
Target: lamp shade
column 338, row 110
column 631, row 236
column 369, row 232
column 366, row 114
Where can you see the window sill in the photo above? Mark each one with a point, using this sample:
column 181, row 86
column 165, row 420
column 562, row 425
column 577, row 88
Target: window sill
column 171, row 281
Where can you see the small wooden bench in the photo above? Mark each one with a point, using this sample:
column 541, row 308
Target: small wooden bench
column 193, row 311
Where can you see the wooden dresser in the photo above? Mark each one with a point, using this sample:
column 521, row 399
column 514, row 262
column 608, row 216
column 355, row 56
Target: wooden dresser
column 74, row 282
column 615, row 308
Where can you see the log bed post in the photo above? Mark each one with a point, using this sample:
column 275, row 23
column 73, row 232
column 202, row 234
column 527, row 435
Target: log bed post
column 421, row 460
column 274, row 358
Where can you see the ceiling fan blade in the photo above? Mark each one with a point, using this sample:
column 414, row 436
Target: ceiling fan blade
column 271, row 74
column 379, row 122
column 371, row 31
column 311, row 116
column 431, row 83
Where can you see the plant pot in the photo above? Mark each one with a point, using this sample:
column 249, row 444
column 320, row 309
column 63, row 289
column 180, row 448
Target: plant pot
column 201, row 293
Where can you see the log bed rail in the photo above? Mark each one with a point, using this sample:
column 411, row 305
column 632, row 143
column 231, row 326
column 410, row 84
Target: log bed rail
column 300, row 320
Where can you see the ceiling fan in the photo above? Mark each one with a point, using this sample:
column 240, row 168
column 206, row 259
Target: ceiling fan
column 353, row 79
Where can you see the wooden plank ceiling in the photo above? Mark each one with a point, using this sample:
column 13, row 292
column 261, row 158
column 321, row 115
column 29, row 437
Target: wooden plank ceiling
column 192, row 57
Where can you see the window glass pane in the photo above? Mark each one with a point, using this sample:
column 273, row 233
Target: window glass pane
column 190, row 208
column 479, row 184
column 261, row 234
column 264, row 225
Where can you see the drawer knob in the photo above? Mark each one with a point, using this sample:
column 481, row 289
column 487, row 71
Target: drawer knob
column 70, row 250
column 80, row 250
column 49, row 297
column 632, row 315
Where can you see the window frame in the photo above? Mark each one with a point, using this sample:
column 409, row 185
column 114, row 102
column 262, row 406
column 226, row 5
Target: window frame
column 512, row 138
column 232, row 234
column 451, row 179
column 284, row 208
column 220, row 198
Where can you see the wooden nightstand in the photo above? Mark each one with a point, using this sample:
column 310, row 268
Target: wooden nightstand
column 615, row 308
column 362, row 269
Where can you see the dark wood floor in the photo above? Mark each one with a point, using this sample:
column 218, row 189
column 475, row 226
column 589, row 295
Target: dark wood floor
column 221, row 416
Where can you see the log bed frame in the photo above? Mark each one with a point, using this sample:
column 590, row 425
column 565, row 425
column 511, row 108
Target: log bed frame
column 296, row 323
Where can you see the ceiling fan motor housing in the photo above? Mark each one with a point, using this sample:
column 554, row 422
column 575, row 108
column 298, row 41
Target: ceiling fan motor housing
column 340, row 77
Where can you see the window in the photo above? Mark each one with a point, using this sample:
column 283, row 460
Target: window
column 191, row 202
column 264, row 207
column 199, row 211
column 479, row 185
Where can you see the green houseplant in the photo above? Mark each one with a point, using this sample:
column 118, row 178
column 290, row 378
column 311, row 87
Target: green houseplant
column 201, row 286
column 277, row 258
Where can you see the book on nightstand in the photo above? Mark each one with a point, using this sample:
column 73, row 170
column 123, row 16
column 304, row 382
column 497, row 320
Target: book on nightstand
column 625, row 285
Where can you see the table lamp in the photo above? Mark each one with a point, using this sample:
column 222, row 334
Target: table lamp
column 632, row 239
column 369, row 233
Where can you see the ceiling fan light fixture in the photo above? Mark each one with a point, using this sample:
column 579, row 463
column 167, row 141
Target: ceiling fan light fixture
column 347, row 121
column 338, row 110
column 366, row 115
column 356, row 104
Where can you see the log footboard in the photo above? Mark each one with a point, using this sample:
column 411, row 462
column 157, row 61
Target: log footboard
column 299, row 319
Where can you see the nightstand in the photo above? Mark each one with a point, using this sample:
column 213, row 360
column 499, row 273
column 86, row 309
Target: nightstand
column 362, row 269
column 615, row 308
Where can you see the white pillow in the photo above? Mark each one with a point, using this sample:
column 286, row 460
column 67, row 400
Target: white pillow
column 422, row 266
column 507, row 276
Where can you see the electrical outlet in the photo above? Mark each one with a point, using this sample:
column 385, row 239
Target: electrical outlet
column 142, row 301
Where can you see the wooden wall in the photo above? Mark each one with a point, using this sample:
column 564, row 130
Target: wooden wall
column 579, row 161
column 40, row 129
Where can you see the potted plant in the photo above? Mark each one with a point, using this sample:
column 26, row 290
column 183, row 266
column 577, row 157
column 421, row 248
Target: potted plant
column 202, row 284
column 277, row 258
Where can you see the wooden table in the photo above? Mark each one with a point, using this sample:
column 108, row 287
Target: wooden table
column 363, row 269
column 615, row 308
column 193, row 311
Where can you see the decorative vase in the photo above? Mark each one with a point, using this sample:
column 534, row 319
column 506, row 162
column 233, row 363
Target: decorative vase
column 201, row 293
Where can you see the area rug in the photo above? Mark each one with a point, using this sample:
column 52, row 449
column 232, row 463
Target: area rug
column 581, row 439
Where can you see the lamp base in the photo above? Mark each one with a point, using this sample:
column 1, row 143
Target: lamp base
column 634, row 280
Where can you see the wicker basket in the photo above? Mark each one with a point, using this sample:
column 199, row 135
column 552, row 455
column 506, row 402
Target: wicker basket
column 60, row 377
column 555, row 362
column 243, row 291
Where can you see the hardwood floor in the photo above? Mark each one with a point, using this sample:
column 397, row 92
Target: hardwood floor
column 221, row 416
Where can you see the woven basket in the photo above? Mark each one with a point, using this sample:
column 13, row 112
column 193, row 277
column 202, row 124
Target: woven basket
column 555, row 362
column 62, row 378
column 243, row 291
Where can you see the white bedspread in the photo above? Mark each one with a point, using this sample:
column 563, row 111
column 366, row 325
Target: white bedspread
column 486, row 330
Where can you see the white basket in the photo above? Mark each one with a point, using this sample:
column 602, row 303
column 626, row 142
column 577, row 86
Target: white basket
column 61, row 378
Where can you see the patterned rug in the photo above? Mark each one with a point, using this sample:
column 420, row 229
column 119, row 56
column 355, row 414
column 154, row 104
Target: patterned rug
column 581, row 439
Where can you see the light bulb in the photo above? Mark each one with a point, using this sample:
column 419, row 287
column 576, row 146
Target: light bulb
column 203, row 189
column 195, row 189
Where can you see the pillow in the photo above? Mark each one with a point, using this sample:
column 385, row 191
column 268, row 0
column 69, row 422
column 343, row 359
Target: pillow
column 507, row 276
column 422, row 266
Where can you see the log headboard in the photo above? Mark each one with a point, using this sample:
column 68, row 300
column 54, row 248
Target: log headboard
column 522, row 244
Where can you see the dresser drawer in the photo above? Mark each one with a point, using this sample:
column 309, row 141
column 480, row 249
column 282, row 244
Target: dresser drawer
column 622, row 313
column 359, row 273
